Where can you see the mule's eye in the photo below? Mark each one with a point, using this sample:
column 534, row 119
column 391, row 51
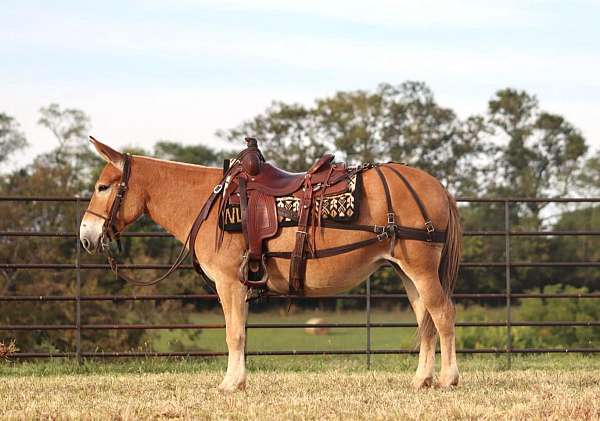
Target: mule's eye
column 103, row 187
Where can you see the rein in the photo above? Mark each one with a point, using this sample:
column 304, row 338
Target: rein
column 111, row 233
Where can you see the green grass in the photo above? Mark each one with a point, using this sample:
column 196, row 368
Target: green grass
column 279, row 339
column 285, row 339
column 318, row 363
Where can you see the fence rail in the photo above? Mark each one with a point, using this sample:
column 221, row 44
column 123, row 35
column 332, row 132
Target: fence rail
column 507, row 295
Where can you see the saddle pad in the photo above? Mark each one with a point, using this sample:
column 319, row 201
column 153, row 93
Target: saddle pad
column 340, row 207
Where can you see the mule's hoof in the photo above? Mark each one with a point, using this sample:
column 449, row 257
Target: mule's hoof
column 422, row 383
column 227, row 387
column 448, row 382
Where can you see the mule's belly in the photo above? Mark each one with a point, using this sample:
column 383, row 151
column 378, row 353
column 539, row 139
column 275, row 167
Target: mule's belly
column 329, row 275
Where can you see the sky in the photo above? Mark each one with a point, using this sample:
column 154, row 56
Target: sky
column 182, row 69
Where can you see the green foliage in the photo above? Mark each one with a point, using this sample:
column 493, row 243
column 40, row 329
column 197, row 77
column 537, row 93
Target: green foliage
column 588, row 179
column 540, row 152
column 536, row 310
column 559, row 309
column 192, row 154
column 288, row 135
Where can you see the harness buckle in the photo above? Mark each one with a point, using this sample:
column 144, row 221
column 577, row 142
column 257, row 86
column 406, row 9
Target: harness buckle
column 391, row 218
column 383, row 236
column 218, row 188
column 378, row 229
column 429, row 227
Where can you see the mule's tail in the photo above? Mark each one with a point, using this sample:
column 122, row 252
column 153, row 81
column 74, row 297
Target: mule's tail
column 449, row 264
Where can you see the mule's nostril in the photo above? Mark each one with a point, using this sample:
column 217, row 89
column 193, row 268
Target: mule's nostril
column 86, row 243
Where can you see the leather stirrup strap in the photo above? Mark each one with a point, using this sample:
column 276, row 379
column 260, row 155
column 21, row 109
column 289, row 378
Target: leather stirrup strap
column 298, row 256
column 244, row 209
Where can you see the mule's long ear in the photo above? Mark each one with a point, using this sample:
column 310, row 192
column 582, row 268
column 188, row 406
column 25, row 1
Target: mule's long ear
column 108, row 154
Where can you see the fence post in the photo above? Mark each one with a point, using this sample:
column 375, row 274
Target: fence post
column 78, row 286
column 508, row 288
column 368, row 297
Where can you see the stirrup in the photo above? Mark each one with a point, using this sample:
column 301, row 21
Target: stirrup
column 244, row 272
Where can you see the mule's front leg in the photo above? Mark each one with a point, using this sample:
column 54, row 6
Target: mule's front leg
column 235, row 309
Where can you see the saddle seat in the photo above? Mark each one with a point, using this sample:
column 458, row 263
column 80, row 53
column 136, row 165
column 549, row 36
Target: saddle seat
column 277, row 182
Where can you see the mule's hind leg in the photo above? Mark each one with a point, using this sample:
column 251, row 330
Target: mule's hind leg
column 442, row 313
column 424, row 375
column 420, row 262
column 233, row 300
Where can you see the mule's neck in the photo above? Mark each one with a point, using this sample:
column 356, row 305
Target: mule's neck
column 175, row 192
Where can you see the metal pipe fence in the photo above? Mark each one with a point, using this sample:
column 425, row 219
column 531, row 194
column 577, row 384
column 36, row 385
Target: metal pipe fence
column 508, row 264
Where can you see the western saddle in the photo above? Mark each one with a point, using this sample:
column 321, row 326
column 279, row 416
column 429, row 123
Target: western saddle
column 254, row 184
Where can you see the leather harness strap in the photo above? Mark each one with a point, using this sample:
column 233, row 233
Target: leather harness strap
column 298, row 256
column 428, row 224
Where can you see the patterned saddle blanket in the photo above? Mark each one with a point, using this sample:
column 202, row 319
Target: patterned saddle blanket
column 341, row 207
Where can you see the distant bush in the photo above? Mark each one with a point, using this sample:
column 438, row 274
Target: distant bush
column 551, row 309
column 480, row 337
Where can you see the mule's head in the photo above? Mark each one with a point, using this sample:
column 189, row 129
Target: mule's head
column 97, row 225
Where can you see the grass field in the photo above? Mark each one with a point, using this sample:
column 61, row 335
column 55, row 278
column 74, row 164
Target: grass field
column 300, row 387
column 538, row 387
column 265, row 339
column 293, row 338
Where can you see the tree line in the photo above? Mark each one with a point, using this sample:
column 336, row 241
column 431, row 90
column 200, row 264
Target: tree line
column 514, row 148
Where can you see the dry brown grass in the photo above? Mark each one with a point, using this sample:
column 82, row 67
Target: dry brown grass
column 335, row 394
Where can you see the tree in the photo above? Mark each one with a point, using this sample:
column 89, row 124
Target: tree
column 588, row 177
column 401, row 123
column 192, row 154
column 540, row 152
column 70, row 127
column 11, row 137
column 287, row 134
column 353, row 121
column 72, row 161
column 422, row 133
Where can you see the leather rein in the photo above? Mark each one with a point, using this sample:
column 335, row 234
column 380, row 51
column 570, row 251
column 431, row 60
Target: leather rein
column 110, row 232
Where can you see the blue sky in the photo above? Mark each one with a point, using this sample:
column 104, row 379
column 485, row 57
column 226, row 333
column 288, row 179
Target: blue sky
column 181, row 69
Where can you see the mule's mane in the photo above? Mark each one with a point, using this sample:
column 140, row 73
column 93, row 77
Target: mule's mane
column 175, row 164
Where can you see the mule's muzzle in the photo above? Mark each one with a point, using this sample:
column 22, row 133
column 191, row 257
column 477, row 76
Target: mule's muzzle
column 89, row 238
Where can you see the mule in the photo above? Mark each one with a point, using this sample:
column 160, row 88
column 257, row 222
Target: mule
column 172, row 193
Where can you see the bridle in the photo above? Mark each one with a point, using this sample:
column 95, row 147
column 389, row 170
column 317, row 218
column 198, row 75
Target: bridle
column 109, row 228
column 110, row 232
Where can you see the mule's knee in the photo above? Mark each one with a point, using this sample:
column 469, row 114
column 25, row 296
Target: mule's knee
column 236, row 340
